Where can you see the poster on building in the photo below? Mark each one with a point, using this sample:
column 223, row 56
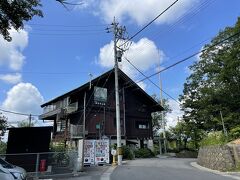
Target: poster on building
column 89, row 152
column 100, row 95
column 101, row 151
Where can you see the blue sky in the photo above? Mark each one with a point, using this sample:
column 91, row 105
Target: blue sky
column 55, row 54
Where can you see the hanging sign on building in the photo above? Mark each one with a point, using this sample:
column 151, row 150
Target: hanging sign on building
column 100, row 95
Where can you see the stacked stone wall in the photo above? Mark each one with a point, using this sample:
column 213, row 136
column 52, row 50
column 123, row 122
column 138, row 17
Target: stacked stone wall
column 217, row 157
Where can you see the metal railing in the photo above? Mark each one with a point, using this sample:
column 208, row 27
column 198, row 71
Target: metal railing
column 45, row 163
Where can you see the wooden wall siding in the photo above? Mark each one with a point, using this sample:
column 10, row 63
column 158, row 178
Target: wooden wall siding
column 136, row 109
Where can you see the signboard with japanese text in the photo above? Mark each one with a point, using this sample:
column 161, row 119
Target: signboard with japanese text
column 100, row 95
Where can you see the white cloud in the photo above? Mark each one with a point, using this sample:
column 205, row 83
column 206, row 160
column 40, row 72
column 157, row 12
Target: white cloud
column 84, row 4
column 139, row 12
column 11, row 78
column 11, row 52
column 176, row 112
column 144, row 54
column 23, row 98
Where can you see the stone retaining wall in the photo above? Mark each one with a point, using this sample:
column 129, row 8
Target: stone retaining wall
column 217, row 157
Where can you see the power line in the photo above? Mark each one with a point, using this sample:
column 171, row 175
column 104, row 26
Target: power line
column 151, row 81
column 149, row 23
column 69, row 3
column 69, row 30
column 18, row 113
column 90, row 98
column 67, row 26
column 102, row 87
column 67, row 34
column 187, row 58
column 194, row 11
column 47, row 73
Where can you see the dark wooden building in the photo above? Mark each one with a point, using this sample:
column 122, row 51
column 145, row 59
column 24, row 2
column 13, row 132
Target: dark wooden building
column 136, row 107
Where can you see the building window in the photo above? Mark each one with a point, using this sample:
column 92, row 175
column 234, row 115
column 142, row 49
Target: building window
column 141, row 125
column 61, row 126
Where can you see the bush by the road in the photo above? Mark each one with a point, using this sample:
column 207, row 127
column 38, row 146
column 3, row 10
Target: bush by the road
column 127, row 153
column 143, row 153
column 214, row 138
column 187, row 154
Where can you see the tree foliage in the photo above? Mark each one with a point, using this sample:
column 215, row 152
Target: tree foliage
column 13, row 13
column 3, row 124
column 25, row 123
column 158, row 119
column 214, row 84
column 187, row 135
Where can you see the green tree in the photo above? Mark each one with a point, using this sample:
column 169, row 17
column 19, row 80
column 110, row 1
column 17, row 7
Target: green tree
column 187, row 135
column 214, row 84
column 13, row 13
column 3, row 124
column 157, row 117
column 3, row 147
column 25, row 123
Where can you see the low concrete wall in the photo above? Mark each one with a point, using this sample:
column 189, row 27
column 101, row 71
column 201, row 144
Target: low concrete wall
column 217, row 157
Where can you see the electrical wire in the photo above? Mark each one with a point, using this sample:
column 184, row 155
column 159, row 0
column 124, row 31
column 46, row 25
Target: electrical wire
column 102, row 87
column 179, row 21
column 68, row 26
column 90, row 98
column 66, row 34
column 69, row 30
column 151, row 80
column 47, row 73
column 138, row 32
column 17, row 113
column 187, row 58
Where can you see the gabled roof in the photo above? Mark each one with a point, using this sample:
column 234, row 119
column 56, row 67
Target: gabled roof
column 129, row 84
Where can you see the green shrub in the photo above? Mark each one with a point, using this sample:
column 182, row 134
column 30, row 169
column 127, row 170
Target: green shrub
column 57, row 147
column 187, row 154
column 235, row 133
column 143, row 153
column 214, row 138
column 3, row 147
column 127, row 153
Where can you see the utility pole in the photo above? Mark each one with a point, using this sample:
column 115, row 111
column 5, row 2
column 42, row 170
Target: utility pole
column 84, row 122
column 119, row 145
column 30, row 120
column 163, row 119
column 118, row 32
column 224, row 129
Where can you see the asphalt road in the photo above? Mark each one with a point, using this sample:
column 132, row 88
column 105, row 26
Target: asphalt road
column 162, row 169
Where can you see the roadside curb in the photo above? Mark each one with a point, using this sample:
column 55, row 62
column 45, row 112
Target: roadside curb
column 225, row 174
column 106, row 175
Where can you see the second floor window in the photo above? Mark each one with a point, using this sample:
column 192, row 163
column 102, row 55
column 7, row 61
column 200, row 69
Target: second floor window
column 141, row 125
column 61, row 126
